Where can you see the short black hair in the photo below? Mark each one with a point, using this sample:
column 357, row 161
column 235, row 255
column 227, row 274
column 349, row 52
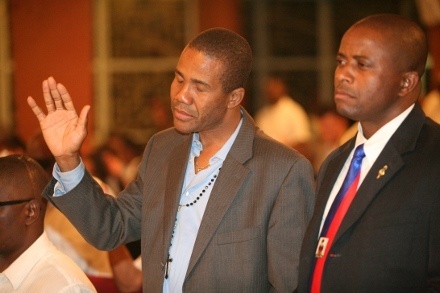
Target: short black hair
column 232, row 49
column 405, row 36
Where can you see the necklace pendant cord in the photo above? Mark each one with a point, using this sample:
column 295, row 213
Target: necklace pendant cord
column 197, row 168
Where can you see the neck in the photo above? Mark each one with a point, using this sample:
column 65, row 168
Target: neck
column 214, row 140
column 7, row 260
column 217, row 137
column 197, row 167
column 4, row 264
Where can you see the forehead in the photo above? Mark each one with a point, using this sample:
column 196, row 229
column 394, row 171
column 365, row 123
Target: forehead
column 376, row 41
column 14, row 181
column 9, row 189
column 365, row 41
column 197, row 62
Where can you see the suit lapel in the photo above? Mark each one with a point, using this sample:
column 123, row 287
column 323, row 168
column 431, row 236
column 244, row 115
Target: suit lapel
column 176, row 174
column 325, row 183
column 331, row 168
column 371, row 186
column 228, row 183
column 331, row 174
column 402, row 141
column 222, row 196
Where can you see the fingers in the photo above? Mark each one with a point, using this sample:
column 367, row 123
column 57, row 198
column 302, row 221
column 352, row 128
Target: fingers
column 65, row 96
column 56, row 96
column 47, row 97
column 37, row 111
column 82, row 121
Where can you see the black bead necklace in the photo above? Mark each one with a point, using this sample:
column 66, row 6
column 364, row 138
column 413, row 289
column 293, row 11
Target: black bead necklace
column 169, row 259
column 210, row 182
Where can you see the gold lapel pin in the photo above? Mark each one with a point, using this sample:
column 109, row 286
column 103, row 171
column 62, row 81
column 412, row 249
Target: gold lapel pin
column 382, row 171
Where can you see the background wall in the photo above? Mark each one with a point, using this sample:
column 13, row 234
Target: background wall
column 50, row 38
column 54, row 38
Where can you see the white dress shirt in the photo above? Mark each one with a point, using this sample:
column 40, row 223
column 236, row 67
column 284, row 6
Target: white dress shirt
column 43, row 268
column 286, row 121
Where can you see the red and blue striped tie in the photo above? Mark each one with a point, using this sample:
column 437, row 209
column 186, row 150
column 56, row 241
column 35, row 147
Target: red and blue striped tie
column 335, row 215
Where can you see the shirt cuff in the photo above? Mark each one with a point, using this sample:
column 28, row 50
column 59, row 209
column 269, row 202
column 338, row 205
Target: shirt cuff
column 66, row 181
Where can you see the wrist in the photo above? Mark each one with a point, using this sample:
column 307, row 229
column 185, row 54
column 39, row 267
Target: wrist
column 68, row 163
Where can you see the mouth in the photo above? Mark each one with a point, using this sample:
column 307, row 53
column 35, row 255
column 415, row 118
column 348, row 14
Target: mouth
column 182, row 115
column 341, row 94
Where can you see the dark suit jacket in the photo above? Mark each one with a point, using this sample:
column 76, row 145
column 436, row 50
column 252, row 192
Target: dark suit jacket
column 250, row 236
column 389, row 240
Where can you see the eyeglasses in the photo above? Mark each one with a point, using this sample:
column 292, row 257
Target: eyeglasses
column 14, row 202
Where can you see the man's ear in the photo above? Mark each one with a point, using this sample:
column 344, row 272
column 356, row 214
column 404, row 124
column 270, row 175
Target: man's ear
column 32, row 211
column 235, row 97
column 409, row 82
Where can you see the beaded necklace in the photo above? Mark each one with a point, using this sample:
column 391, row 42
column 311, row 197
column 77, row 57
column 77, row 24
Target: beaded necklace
column 189, row 204
column 211, row 182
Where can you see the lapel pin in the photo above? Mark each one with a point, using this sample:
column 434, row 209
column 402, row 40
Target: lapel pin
column 382, row 171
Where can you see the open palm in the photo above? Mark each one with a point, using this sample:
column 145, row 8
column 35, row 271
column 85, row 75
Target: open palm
column 63, row 130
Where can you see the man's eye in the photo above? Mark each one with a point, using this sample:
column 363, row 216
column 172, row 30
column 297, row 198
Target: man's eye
column 340, row 62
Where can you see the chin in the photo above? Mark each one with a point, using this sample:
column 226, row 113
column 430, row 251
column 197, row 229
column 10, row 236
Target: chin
column 183, row 128
column 345, row 112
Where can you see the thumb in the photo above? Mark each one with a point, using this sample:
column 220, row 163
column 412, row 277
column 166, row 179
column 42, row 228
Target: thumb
column 82, row 121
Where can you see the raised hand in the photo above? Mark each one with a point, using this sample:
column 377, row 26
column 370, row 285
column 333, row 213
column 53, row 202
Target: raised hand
column 63, row 131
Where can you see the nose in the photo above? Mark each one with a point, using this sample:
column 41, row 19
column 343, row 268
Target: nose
column 343, row 73
column 181, row 93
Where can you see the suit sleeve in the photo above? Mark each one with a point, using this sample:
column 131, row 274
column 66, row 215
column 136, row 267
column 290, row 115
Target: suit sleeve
column 434, row 248
column 104, row 221
column 290, row 216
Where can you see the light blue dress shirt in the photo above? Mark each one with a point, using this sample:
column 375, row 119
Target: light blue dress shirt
column 188, row 218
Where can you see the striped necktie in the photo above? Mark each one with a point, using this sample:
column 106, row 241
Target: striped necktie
column 335, row 216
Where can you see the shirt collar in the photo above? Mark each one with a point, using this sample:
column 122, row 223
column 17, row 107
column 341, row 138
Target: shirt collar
column 375, row 144
column 20, row 268
column 197, row 147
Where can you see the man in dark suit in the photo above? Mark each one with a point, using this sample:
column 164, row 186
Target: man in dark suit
column 218, row 205
column 389, row 238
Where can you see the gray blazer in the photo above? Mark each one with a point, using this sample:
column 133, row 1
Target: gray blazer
column 389, row 240
column 250, row 236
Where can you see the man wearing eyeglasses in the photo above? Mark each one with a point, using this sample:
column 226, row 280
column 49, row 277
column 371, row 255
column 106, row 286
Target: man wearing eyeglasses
column 29, row 262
